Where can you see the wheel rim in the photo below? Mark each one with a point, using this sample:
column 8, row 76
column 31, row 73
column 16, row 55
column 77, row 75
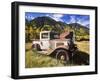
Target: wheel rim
column 62, row 55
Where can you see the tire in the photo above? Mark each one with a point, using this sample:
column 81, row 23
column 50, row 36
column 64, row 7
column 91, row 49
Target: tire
column 38, row 48
column 62, row 55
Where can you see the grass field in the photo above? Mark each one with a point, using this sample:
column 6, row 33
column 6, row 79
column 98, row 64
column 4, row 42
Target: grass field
column 83, row 46
column 34, row 59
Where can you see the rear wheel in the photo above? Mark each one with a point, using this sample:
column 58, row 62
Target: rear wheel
column 38, row 47
column 62, row 55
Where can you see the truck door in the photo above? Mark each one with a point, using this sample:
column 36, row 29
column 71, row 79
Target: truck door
column 44, row 38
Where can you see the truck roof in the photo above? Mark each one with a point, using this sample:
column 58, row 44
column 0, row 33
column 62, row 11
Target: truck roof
column 45, row 31
column 48, row 31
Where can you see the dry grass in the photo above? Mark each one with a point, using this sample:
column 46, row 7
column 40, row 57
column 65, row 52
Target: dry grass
column 34, row 59
column 83, row 46
column 28, row 46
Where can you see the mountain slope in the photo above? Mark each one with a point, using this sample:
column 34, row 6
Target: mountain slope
column 47, row 23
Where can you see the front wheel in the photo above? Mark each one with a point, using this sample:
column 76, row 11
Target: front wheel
column 62, row 55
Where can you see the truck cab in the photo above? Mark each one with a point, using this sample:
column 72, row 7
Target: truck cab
column 45, row 37
column 53, row 40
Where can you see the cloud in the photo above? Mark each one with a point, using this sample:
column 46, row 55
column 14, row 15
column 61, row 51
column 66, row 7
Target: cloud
column 47, row 15
column 73, row 19
column 84, row 23
column 57, row 17
column 83, row 20
column 29, row 17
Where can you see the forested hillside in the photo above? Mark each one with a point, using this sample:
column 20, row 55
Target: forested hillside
column 38, row 24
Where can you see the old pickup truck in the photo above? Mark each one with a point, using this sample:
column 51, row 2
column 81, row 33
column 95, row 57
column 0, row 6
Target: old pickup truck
column 62, row 45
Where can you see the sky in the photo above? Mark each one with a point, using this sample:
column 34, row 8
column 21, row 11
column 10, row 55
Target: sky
column 66, row 18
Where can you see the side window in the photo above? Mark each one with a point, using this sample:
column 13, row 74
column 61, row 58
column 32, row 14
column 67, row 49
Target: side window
column 44, row 35
column 54, row 36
